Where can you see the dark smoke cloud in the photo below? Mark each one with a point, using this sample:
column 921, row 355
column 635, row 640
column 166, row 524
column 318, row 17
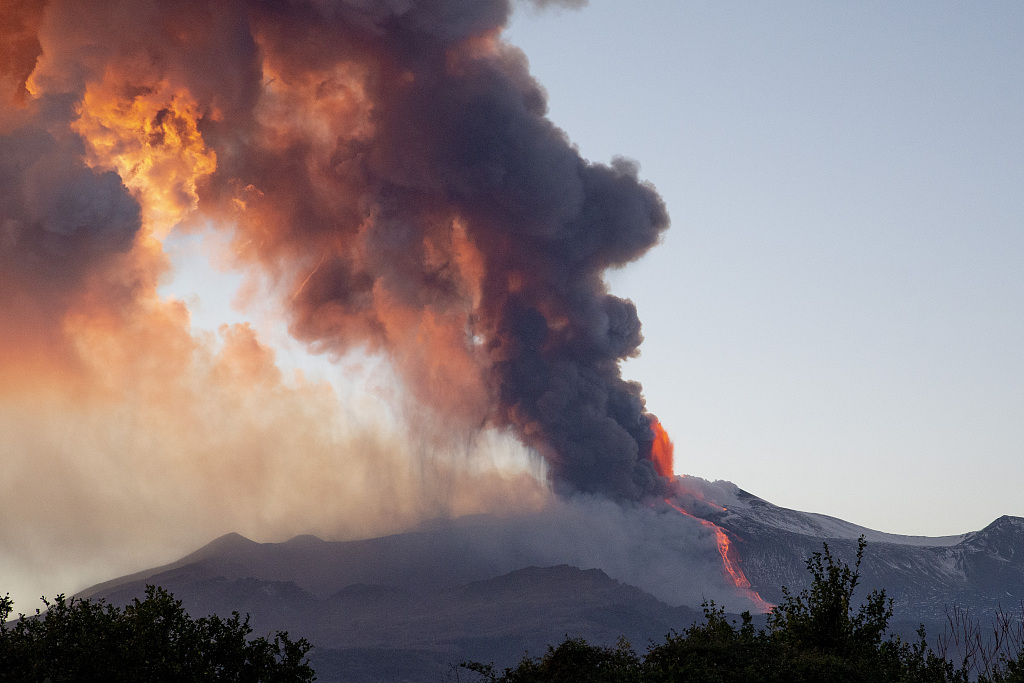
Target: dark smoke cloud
column 63, row 226
column 463, row 136
column 59, row 215
column 389, row 163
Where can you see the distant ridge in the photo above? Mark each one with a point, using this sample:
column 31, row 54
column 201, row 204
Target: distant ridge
column 367, row 632
column 229, row 542
column 405, row 606
column 925, row 576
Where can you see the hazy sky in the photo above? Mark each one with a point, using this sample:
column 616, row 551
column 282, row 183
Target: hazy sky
column 835, row 321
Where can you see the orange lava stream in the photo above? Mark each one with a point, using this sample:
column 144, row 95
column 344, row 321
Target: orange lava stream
column 662, row 455
column 734, row 571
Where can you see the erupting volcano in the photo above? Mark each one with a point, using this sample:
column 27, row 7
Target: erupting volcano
column 663, row 454
column 731, row 566
column 387, row 168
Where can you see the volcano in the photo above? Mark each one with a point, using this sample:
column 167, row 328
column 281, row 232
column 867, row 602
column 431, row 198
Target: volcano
column 410, row 606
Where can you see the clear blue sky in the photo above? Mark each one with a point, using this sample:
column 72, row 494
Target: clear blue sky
column 835, row 321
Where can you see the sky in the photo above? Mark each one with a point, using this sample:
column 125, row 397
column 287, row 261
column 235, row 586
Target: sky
column 834, row 320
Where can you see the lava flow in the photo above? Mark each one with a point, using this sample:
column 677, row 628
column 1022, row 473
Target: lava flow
column 662, row 452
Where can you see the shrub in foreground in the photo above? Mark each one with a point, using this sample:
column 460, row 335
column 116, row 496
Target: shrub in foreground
column 149, row 640
column 819, row 635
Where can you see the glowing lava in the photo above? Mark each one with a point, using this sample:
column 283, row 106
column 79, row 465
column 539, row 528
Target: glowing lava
column 733, row 569
column 662, row 451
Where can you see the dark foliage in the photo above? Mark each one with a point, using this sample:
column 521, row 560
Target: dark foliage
column 821, row 634
column 816, row 636
column 149, row 640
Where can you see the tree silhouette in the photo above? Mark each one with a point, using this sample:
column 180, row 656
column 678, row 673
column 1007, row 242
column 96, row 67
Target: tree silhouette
column 149, row 640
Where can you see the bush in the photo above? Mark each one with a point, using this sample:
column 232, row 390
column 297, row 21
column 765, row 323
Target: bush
column 149, row 640
column 574, row 661
column 816, row 636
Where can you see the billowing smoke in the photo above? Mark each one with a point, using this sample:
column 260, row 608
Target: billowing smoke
column 63, row 223
column 388, row 164
column 387, row 170
column 444, row 217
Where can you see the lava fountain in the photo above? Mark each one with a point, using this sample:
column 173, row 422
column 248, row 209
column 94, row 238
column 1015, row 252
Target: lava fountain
column 662, row 454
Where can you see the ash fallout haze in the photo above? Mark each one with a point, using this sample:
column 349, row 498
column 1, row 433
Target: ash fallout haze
column 343, row 267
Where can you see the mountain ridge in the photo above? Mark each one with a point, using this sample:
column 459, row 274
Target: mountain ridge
column 487, row 588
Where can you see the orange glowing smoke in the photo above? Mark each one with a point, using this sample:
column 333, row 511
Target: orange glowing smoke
column 150, row 137
column 19, row 46
column 662, row 450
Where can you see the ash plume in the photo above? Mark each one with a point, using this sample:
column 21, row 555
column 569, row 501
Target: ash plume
column 387, row 165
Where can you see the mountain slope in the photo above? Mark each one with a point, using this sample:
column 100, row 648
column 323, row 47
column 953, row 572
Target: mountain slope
column 925, row 576
column 408, row 606
column 366, row 632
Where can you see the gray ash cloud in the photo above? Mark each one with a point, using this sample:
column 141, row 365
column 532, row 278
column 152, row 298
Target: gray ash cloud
column 440, row 144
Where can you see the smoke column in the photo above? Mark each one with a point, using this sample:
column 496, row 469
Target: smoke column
column 385, row 164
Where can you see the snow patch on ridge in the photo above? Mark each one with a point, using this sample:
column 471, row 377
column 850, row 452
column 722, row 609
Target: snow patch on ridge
column 741, row 505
